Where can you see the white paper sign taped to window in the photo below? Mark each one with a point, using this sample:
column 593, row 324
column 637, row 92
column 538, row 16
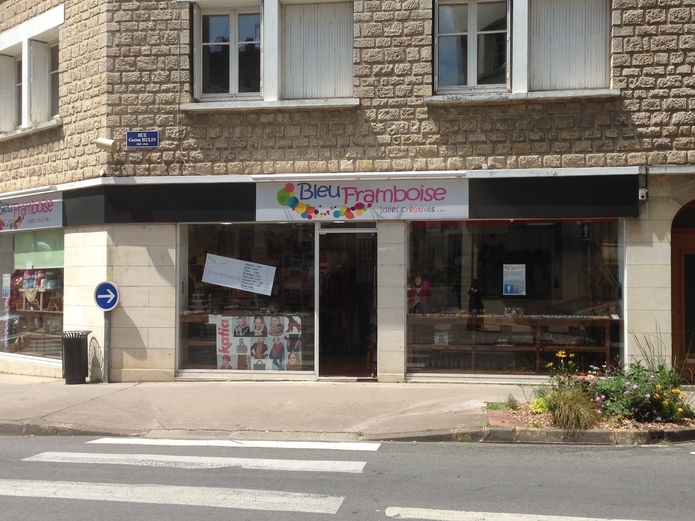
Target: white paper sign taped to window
column 238, row 274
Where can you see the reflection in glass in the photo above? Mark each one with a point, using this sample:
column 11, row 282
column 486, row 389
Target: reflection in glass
column 216, row 54
column 452, row 56
column 453, row 61
column 492, row 43
column 249, row 53
column 216, row 319
column 543, row 289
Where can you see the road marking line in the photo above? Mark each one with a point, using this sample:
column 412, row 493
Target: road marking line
column 320, row 445
column 198, row 462
column 458, row 515
column 237, row 498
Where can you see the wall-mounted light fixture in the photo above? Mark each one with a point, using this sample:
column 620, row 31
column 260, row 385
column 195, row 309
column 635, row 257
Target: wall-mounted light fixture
column 106, row 144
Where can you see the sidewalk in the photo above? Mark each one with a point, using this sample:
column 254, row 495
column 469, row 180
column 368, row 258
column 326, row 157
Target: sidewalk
column 332, row 411
column 316, row 411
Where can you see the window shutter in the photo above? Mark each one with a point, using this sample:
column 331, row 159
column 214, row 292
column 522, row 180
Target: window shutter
column 569, row 45
column 40, row 97
column 7, row 93
column 317, row 49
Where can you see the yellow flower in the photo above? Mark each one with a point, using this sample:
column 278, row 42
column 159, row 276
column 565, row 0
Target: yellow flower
column 571, row 355
column 561, row 354
column 549, row 364
column 656, row 395
column 665, row 403
column 658, row 386
column 675, row 391
column 680, row 409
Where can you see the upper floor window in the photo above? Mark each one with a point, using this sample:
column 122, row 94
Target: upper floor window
column 231, row 53
column 522, row 45
column 282, row 51
column 472, row 44
column 29, row 72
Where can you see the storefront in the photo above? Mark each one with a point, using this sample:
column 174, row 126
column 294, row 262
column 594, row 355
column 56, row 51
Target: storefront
column 360, row 277
column 31, row 258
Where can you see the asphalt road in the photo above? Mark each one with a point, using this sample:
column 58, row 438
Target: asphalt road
column 74, row 478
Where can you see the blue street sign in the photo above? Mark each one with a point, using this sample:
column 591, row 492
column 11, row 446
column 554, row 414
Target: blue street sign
column 106, row 295
column 142, row 139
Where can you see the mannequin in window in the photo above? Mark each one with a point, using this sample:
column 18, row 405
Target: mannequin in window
column 475, row 306
column 419, row 293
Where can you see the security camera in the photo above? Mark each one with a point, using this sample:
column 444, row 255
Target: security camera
column 642, row 194
column 104, row 143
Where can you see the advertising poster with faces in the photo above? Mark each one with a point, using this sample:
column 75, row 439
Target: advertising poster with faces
column 259, row 343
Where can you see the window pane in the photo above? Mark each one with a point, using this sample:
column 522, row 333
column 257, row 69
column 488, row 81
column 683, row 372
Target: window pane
column 250, row 67
column 215, row 69
column 249, row 53
column 453, row 60
column 453, row 19
column 544, row 290
column 216, row 57
column 492, row 59
column 250, row 27
column 251, row 331
column 54, row 80
column 492, row 16
column 18, row 105
column 215, row 29
column 492, row 43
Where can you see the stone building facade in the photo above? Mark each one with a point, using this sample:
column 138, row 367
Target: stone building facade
column 131, row 66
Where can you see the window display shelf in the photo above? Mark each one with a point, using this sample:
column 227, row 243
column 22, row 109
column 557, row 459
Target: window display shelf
column 466, row 343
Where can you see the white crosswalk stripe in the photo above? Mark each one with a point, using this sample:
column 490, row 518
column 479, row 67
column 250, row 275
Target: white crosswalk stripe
column 174, row 495
column 304, row 445
column 230, row 498
column 426, row 514
column 200, row 462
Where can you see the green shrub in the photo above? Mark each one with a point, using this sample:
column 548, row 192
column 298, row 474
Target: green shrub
column 642, row 394
column 539, row 405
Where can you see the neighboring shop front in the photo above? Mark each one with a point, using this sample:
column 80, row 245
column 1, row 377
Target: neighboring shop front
column 31, row 259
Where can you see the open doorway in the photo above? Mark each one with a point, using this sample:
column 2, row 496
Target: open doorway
column 683, row 290
column 347, row 303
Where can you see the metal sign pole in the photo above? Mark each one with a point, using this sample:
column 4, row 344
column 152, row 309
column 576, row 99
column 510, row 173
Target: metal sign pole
column 107, row 345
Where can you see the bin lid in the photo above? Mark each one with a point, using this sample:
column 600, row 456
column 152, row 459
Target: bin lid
column 76, row 334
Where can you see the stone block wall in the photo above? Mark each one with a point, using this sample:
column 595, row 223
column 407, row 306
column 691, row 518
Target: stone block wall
column 128, row 66
column 63, row 154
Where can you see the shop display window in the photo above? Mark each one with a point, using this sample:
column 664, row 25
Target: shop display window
column 510, row 297
column 266, row 326
column 33, row 294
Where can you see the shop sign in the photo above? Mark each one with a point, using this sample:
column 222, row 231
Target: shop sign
column 238, row 274
column 31, row 213
column 401, row 199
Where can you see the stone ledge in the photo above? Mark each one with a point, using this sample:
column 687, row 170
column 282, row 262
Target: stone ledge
column 260, row 105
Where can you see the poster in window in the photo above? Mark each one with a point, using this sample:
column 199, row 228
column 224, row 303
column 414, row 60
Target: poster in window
column 514, row 279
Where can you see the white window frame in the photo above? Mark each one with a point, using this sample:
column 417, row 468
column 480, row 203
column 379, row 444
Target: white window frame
column 270, row 97
column 472, row 34
column 233, row 15
column 518, row 68
column 29, row 42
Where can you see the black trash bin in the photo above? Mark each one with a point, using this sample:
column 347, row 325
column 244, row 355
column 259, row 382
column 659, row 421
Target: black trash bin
column 75, row 356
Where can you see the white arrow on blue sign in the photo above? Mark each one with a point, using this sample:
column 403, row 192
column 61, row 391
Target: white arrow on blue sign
column 106, row 295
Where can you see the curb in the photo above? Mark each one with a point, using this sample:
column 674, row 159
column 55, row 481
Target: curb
column 35, row 429
column 487, row 434
column 526, row 435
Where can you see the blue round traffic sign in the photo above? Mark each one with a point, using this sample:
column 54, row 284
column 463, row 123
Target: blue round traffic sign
column 106, row 295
